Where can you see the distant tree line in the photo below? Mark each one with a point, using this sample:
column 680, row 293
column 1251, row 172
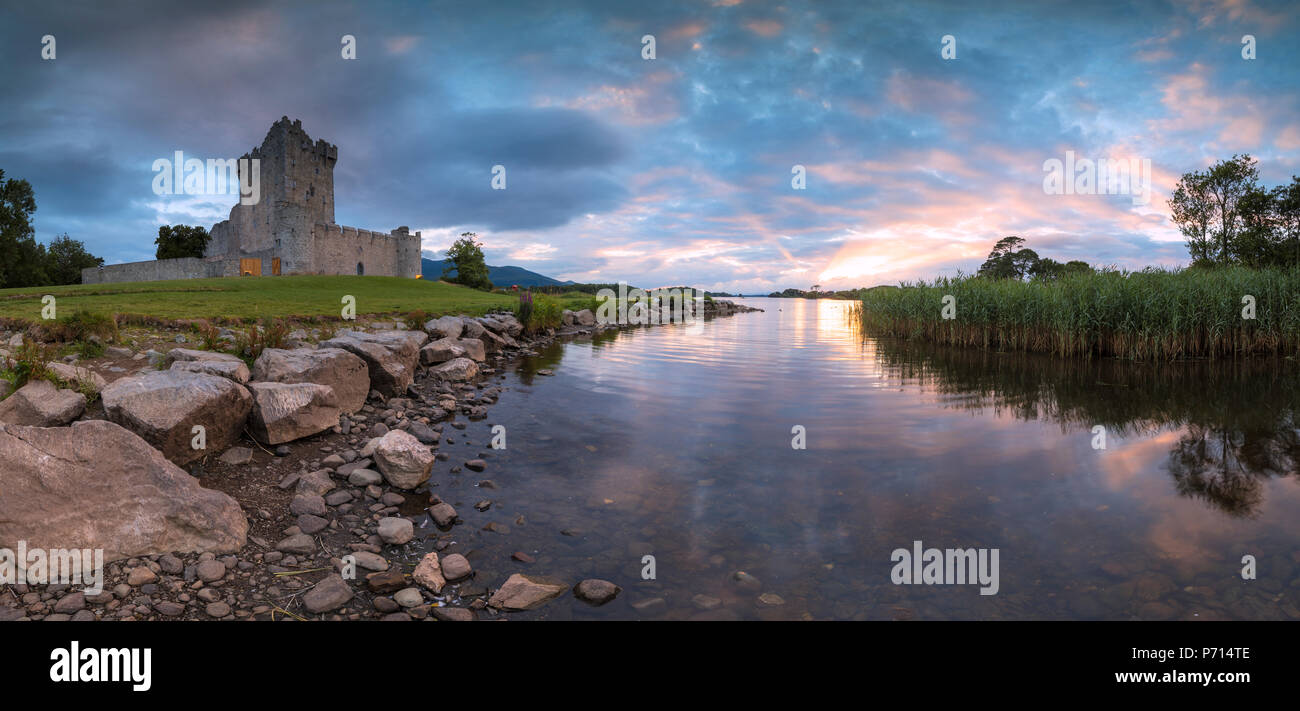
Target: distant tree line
column 1010, row 259
column 1227, row 217
column 582, row 288
column 815, row 293
column 23, row 260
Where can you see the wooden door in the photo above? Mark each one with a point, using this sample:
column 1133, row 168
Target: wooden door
column 275, row 266
column 251, row 266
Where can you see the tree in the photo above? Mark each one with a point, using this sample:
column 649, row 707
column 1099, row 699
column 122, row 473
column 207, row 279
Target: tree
column 470, row 266
column 1192, row 210
column 1047, row 269
column 179, row 241
column 67, row 257
column 22, row 258
column 1009, row 260
column 1255, row 243
column 1286, row 206
column 1229, row 181
column 1207, row 207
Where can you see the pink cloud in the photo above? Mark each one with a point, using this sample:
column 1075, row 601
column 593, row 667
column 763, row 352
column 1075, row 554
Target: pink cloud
column 764, row 28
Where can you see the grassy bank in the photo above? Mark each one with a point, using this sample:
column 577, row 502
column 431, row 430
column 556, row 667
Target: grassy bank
column 1153, row 314
column 251, row 298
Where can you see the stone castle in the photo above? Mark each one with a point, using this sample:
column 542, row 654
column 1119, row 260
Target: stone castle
column 290, row 230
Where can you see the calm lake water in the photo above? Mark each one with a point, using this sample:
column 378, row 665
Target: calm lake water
column 676, row 442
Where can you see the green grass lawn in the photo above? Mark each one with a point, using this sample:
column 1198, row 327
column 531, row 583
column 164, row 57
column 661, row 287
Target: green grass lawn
column 250, row 298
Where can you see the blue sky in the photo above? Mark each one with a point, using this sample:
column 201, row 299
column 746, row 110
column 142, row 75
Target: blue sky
column 671, row 170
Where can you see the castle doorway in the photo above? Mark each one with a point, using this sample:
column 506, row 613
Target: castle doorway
column 361, row 269
column 275, row 266
column 250, row 267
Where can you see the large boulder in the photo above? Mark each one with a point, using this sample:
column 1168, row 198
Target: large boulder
column 504, row 323
column 211, row 362
column 585, row 318
column 456, row 369
column 283, row 412
column 97, row 485
column 526, row 592
column 190, row 355
column 41, row 404
column 403, row 460
column 493, row 342
column 445, row 327
column 473, row 329
column 234, row 370
column 80, row 378
column 164, row 406
column 492, row 323
column 443, row 350
column 390, row 355
column 346, row 373
column 474, row 348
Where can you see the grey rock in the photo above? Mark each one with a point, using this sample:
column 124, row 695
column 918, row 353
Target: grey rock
column 284, row 412
column 347, row 374
column 61, row 490
column 455, row 567
column 329, row 594
column 403, row 460
column 164, row 406
column 456, row 370
column 597, row 592
column 443, row 514
column 409, row 597
column 41, row 404
column 396, row 531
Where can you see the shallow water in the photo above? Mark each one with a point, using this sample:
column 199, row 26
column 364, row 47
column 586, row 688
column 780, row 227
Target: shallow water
column 675, row 442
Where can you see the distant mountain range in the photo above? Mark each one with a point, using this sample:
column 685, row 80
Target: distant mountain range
column 500, row 276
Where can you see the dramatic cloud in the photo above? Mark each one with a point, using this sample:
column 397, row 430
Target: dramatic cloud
column 669, row 170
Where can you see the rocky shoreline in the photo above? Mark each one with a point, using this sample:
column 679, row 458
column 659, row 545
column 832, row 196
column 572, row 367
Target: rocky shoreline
column 312, row 496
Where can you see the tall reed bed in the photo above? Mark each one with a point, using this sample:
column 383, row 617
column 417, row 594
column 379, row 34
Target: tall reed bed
column 1154, row 314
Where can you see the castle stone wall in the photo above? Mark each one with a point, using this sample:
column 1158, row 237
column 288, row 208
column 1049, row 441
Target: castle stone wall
column 348, row 250
column 161, row 270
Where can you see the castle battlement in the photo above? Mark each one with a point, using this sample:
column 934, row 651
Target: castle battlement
column 291, row 229
column 294, row 220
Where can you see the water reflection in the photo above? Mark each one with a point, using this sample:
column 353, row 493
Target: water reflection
column 1236, row 420
column 676, row 443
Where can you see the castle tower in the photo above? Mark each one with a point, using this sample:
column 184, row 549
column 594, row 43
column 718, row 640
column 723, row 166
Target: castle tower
column 296, row 192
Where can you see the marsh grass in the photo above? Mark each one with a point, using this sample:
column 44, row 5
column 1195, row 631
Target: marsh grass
column 250, row 342
column 1154, row 314
column 546, row 313
column 29, row 362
